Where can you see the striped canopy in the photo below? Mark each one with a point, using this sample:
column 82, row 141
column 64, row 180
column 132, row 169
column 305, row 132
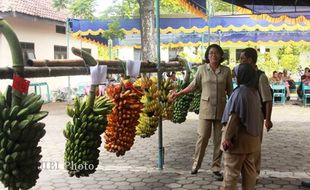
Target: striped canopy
column 290, row 11
column 192, row 31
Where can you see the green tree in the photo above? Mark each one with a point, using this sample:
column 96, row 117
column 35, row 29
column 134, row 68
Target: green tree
column 130, row 9
column 78, row 8
column 220, row 6
column 288, row 57
column 266, row 63
column 114, row 31
column 146, row 10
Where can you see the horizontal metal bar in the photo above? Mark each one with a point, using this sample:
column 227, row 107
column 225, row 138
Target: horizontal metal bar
column 35, row 72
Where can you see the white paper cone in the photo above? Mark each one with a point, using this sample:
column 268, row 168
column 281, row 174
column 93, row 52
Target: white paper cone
column 98, row 74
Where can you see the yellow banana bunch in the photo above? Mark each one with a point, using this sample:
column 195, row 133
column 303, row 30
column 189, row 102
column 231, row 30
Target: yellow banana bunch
column 143, row 82
column 151, row 111
column 167, row 85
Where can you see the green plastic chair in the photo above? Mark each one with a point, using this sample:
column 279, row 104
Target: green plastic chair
column 306, row 95
column 278, row 92
column 38, row 85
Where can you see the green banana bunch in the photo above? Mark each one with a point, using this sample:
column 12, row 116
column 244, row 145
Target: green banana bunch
column 181, row 105
column 20, row 133
column 83, row 135
column 195, row 104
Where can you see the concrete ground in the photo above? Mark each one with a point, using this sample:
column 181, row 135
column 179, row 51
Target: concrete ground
column 285, row 162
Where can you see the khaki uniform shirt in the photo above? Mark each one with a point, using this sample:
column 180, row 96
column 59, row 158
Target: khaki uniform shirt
column 264, row 88
column 215, row 85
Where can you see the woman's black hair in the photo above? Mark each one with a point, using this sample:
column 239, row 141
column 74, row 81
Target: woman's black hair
column 216, row 47
column 246, row 75
column 250, row 53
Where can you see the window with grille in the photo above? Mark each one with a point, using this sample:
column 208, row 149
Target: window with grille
column 60, row 29
column 27, row 50
column 60, row 52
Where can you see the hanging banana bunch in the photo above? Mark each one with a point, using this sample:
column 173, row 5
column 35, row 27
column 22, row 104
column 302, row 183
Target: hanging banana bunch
column 151, row 111
column 121, row 130
column 20, row 129
column 20, row 133
column 83, row 134
column 181, row 104
column 167, row 85
column 195, row 104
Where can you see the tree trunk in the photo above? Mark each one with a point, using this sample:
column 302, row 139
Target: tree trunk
column 147, row 19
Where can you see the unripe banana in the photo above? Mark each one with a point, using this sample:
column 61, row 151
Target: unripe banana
column 82, row 136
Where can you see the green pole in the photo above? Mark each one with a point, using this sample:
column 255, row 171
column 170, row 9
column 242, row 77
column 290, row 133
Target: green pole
column 110, row 45
column 16, row 51
column 202, row 44
column 159, row 76
column 68, row 53
column 209, row 15
column 17, row 56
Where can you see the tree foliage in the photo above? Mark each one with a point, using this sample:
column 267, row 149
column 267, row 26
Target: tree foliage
column 288, row 57
column 266, row 63
column 126, row 9
column 79, row 8
column 130, row 8
column 114, row 31
column 220, row 6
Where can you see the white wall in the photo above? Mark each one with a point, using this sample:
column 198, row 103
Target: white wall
column 164, row 54
column 126, row 53
column 43, row 35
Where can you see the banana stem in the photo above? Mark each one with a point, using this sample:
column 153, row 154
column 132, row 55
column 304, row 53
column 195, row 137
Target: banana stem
column 16, row 51
column 17, row 56
column 89, row 60
column 92, row 96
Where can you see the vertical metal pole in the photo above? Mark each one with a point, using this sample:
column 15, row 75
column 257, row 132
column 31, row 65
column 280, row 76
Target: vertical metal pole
column 110, row 45
column 68, row 53
column 202, row 44
column 209, row 15
column 159, row 76
column 209, row 32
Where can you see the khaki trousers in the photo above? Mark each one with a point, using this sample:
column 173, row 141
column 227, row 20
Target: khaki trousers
column 234, row 164
column 258, row 157
column 204, row 132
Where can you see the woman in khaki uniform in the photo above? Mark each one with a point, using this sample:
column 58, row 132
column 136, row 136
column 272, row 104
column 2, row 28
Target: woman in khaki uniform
column 215, row 82
column 243, row 121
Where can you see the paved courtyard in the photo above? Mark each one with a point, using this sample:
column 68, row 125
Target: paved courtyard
column 286, row 157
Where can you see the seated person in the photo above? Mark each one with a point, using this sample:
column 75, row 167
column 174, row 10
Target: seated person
column 275, row 78
column 287, row 86
column 290, row 82
column 304, row 80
